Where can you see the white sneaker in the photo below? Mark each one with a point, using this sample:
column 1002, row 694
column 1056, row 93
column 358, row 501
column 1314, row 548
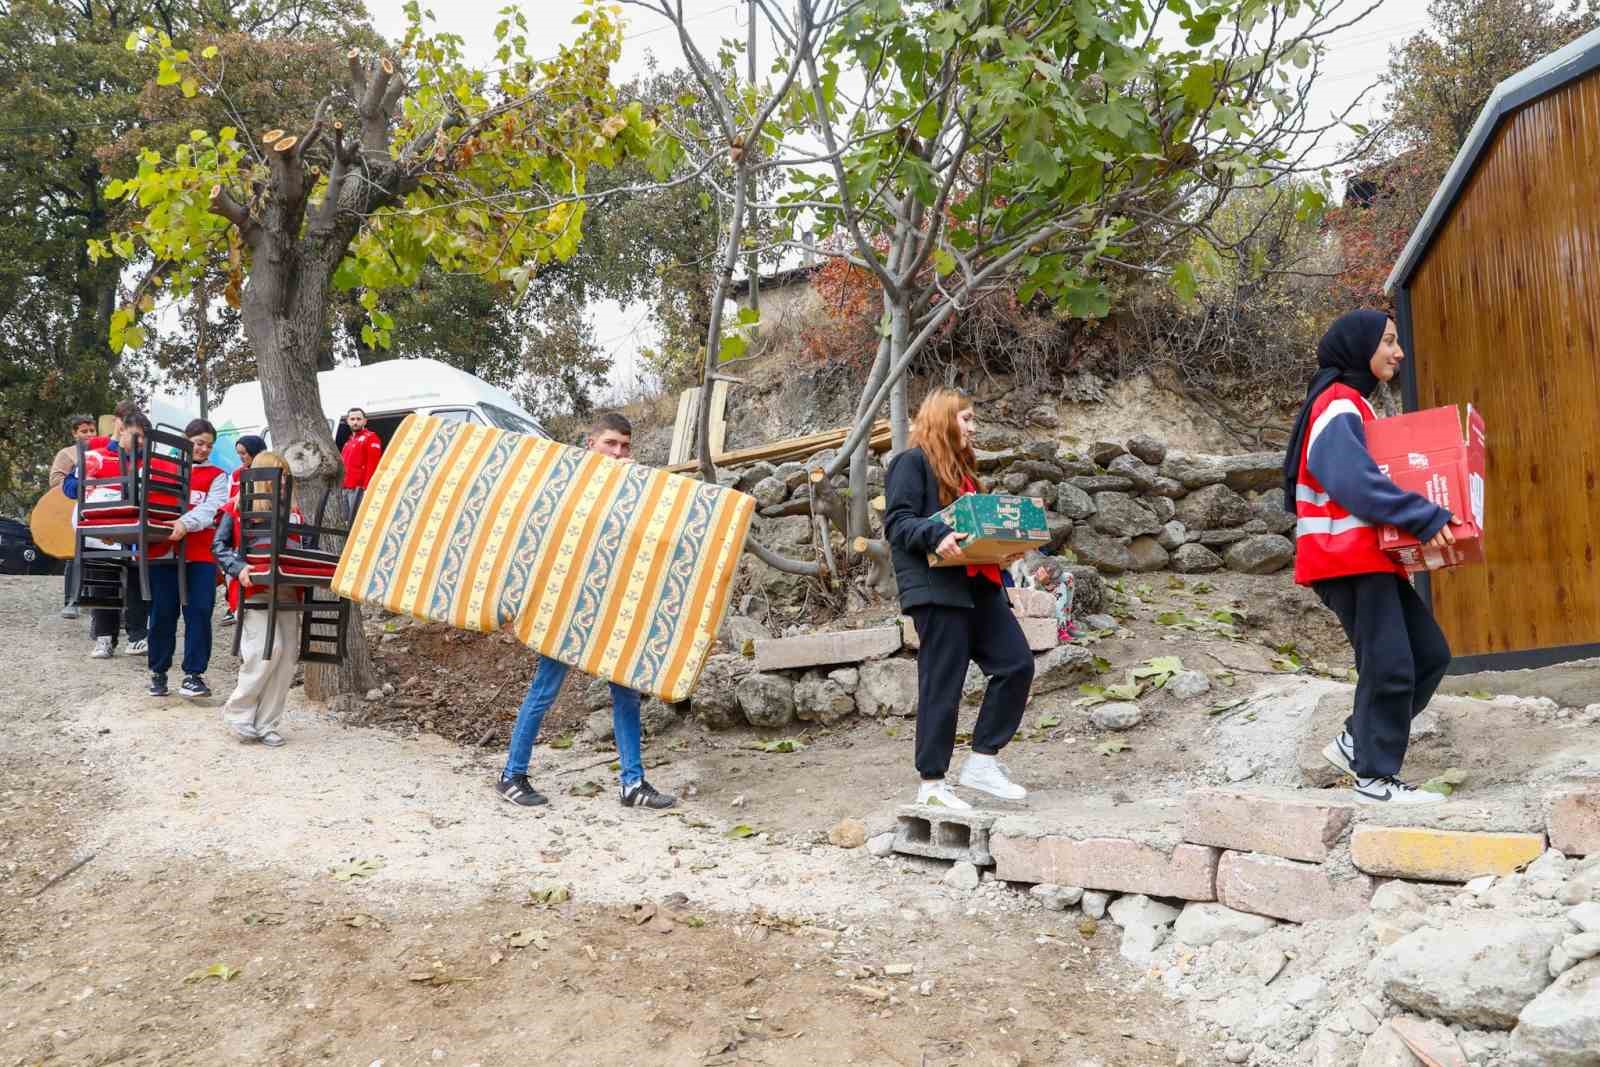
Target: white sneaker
column 940, row 795
column 1389, row 790
column 103, row 648
column 985, row 773
column 138, row 648
column 1341, row 752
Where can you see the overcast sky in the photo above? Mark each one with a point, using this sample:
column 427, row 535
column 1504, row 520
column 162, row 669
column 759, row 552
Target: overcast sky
column 1355, row 57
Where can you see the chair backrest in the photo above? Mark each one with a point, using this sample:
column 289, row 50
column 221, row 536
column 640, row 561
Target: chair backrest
column 155, row 481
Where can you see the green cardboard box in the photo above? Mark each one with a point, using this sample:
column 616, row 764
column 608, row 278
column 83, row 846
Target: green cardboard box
column 998, row 526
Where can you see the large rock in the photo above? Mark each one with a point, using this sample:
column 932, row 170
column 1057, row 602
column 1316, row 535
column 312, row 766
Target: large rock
column 1014, row 482
column 1147, row 554
column 1268, row 507
column 1205, row 924
column 1561, row 1026
column 1173, row 536
column 713, row 701
column 887, row 687
column 1088, row 589
column 1073, row 502
column 1141, row 474
column 767, row 700
column 1254, row 470
column 1103, row 452
column 1260, row 554
column 1222, row 538
column 750, row 476
column 1060, row 528
column 1038, row 470
column 1118, row 515
column 1168, row 488
column 819, row 699
column 1163, row 509
column 1061, row 667
column 1479, row 971
column 989, row 462
column 826, row 649
column 995, row 438
column 1193, row 471
column 1103, row 483
column 1117, row 715
column 790, row 531
column 1195, row 559
column 1104, row 553
column 1214, row 507
column 1147, row 448
column 770, row 492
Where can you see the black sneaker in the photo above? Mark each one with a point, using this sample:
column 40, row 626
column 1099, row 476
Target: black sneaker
column 194, row 686
column 158, row 685
column 520, row 791
column 228, row 618
column 642, row 794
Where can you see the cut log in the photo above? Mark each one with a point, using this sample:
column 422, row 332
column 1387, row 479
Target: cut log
column 285, row 144
column 272, row 135
column 880, row 566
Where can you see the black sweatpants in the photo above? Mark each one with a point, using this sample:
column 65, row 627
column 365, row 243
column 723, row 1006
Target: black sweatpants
column 1401, row 656
column 988, row 634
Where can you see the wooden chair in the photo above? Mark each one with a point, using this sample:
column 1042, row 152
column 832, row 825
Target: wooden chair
column 134, row 510
column 284, row 554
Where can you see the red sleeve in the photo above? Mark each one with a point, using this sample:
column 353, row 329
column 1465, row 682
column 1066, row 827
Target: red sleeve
column 373, row 452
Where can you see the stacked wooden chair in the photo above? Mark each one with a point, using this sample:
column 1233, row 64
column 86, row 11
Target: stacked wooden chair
column 133, row 511
column 285, row 554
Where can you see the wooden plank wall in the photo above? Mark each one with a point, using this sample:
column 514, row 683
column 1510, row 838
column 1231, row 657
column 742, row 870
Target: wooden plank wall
column 1506, row 315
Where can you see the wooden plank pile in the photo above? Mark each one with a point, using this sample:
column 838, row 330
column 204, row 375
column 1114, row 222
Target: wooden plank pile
column 792, row 448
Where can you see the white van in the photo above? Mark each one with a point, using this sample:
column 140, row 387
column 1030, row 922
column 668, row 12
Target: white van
column 387, row 392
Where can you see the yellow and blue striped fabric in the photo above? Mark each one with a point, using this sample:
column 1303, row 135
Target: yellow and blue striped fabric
column 618, row 570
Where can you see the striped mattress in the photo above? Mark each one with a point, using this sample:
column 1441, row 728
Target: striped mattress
column 618, row 570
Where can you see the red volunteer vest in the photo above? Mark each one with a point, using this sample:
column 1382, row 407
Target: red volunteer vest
column 197, row 546
column 1329, row 542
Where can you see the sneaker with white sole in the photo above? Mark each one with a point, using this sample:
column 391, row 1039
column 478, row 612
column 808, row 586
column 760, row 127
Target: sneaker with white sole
column 272, row 739
column 939, row 795
column 986, row 774
column 1391, row 790
column 194, row 687
column 1341, row 752
column 139, row 647
column 104, row 648
column 70, row 611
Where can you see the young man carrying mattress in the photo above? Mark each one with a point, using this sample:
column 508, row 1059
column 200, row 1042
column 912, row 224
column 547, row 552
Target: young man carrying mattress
column 611, row 435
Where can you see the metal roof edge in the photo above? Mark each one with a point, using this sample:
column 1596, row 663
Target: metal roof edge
column 1565, row 64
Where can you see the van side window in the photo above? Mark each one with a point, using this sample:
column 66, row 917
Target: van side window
column 510, row 420
column 466, row 415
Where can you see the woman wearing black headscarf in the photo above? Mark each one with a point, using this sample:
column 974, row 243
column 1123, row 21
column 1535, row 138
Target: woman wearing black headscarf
column 1339, row 498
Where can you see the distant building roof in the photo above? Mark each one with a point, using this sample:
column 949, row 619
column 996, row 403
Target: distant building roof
column 1550, row 73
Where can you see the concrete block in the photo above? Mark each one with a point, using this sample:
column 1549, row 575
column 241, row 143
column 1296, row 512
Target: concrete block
column 826, row 649
column 1293, row 824
column 1042, row 634
column 944, row 834
column 1288, row 889
column 1574, row 822
column 1187, row 872
column 1032, row 603
column 1423, row 854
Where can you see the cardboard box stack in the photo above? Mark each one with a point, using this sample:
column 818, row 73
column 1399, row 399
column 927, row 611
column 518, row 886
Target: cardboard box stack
column 1426, row 452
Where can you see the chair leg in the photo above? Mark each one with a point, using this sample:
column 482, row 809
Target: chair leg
column 272, row 618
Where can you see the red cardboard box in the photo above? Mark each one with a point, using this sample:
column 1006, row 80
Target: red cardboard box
column 1426, row 452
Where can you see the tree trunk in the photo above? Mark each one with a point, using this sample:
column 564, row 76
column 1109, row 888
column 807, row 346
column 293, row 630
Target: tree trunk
column 285, row 308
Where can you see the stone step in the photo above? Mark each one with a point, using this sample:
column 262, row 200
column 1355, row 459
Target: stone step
column 944, row 834
column 826, row 649
column 1041, row 633
column 1290, row 823
column 1573, row 821
column 1102, row 845
column 1289, row 889
column 1426, row 854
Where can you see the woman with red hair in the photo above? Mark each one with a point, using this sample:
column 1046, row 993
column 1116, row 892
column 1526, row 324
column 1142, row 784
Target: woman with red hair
column 961, row 613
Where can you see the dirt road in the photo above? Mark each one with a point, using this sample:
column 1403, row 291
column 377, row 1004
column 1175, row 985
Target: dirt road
column 368, row 896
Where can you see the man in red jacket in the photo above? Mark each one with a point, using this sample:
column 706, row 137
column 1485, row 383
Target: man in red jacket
column 360, row 455
column 208, row 491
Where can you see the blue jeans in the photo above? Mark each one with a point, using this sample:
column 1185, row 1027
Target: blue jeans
column 200, row 590
column 542, row 693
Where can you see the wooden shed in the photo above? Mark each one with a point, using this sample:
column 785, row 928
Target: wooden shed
column 1497, row 298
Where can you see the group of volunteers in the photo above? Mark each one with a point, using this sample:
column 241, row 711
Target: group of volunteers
column 961, row 611
column 202, row 550
column 1339, row 499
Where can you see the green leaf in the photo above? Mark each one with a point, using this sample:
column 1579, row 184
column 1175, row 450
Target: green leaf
column 562, row 742
column 1480, row 694
column 1047, row 721
column 1039, row 161
column 167, row 74
column 1126, row 691
column 133, row 337
column 786, row 744
column 216, row 970
column 943, row 262
column 210, row 52
column 1184, row 283
column 740, row 831
column 365, row 868
column 1446, row 783
column 732, row 347
column 190, row 87
column 132, row 43
column 1112, row 746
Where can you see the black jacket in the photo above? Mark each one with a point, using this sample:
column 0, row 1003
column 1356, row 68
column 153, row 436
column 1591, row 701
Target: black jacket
column 912, row 494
